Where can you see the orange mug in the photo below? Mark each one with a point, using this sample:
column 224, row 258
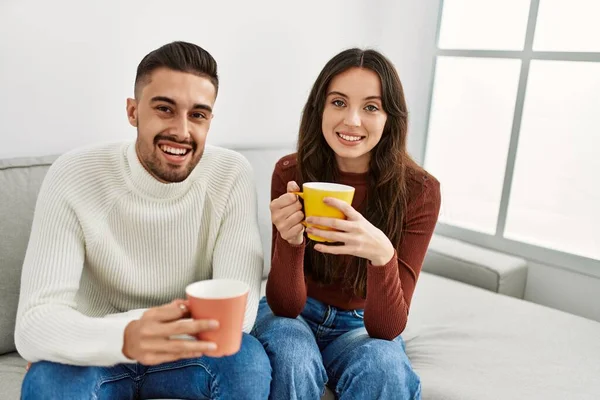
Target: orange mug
column 223, row 300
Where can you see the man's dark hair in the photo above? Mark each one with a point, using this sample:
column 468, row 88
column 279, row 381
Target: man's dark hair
column 178, row 56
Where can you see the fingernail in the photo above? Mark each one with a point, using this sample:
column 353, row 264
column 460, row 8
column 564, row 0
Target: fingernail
column 183, row 308
column 213, row 324
column 212, row 346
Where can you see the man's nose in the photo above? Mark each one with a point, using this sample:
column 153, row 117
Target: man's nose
column 181, row 128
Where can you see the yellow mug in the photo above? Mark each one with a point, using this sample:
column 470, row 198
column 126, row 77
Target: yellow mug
column 313, row 194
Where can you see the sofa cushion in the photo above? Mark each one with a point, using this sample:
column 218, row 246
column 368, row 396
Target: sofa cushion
column 468, row 343
column 479, row 345
column 20, row 182
column 12, row 371
column 477, row 266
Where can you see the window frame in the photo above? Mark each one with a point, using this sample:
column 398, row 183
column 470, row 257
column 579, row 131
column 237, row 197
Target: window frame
column 542, row 255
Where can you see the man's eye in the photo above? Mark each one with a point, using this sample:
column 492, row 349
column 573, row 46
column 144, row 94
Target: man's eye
column 163, row 109
column 198, row 116
column 338, row 103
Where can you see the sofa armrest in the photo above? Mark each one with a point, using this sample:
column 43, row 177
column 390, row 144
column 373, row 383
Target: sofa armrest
column 477, row 266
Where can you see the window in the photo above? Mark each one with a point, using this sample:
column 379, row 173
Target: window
column 514, row 127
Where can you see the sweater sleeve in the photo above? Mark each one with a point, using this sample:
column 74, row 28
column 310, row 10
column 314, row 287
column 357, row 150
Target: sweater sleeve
column 286, row 288
column 238, row 251
column 49, row 326
column 390, row 287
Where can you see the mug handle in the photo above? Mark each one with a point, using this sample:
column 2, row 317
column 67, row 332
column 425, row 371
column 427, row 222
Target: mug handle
column 301, row 195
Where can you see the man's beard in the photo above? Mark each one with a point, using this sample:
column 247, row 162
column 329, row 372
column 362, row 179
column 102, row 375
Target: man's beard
column 162, row 169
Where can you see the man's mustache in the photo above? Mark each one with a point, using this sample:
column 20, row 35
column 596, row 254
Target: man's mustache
column 174, row 139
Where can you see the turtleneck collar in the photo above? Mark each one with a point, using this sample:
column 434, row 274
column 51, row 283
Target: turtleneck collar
column 146, row 183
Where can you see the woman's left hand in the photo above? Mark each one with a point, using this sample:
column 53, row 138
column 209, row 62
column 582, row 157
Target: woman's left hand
column 360, row 238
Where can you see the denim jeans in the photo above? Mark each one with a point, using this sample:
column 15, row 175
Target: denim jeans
column 326, row 345
column 244, row 375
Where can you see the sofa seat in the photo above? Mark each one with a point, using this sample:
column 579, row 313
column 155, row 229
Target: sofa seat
column 467, row 343
column 12, row 370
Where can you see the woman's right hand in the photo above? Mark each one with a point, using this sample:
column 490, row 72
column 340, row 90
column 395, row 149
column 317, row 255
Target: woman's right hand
column 287, row 215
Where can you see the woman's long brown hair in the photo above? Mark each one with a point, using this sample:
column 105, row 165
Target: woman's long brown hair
column 387, row 176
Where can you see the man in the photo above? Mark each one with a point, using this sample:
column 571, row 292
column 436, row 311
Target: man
column 120, row 230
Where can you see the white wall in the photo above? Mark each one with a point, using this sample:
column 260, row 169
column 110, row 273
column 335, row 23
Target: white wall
column 68, row 65
column 407, row 36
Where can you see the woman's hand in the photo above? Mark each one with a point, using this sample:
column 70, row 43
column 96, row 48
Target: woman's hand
column 359, row 237
column 287, row 215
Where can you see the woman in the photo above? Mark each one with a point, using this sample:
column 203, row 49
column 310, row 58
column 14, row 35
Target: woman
column 334, row 312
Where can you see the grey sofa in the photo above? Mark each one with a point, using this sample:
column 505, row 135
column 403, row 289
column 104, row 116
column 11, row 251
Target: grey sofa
column 469, row 335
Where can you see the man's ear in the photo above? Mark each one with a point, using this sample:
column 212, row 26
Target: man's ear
column 132, row 112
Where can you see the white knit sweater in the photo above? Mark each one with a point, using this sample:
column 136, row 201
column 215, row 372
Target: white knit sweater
column 109, row 240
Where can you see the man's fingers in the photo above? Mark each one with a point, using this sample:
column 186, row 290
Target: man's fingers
column 184, row 327
column 173, row 311
column 180, row 346
column 176, row 346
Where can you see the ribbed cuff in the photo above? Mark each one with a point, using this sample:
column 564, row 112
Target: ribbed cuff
column 114, row 336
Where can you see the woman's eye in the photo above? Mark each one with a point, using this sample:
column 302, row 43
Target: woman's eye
column 371, row 108
column 338, row 103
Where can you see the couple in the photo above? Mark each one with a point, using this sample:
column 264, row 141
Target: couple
column 120, row 230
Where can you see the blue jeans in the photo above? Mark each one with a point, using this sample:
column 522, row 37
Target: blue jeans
column 244, row 375
column 326, row 345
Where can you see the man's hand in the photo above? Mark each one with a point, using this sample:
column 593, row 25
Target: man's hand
column 147, row 340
